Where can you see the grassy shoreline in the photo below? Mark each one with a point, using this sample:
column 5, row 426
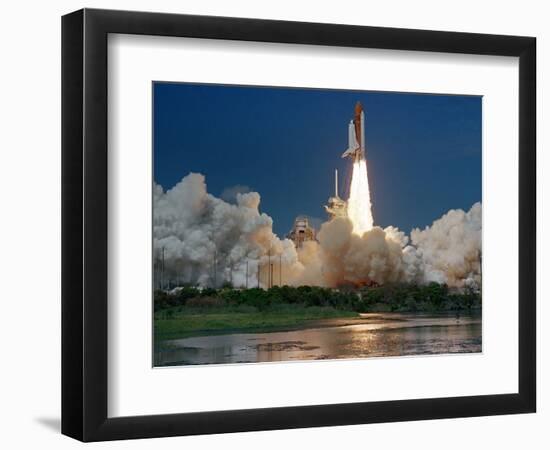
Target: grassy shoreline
column 177, row 323
column 190, row 311
column 219, row 322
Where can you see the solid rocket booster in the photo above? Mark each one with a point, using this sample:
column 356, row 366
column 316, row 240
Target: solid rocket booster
column 356, row 135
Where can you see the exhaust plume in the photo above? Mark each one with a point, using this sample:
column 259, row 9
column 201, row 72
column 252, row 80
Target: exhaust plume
column 359, row 205
column 206, row 241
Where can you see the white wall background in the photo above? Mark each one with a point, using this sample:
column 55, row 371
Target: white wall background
column 30, row 225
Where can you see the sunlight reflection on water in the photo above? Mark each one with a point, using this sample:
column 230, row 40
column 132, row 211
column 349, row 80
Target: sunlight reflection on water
column 385, row 334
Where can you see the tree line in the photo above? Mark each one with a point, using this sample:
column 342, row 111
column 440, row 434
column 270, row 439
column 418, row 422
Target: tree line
column 396, row 297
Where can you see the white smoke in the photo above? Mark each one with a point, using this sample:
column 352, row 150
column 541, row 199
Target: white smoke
column 200, row 239
column 451, row 248
column 207, row 241
column 343, row 257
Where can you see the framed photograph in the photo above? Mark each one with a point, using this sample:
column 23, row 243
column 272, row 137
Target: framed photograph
column 273, row 224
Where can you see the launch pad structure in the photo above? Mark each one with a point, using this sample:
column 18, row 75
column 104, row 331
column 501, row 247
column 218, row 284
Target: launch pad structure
column 336, row 206
column 302, row 232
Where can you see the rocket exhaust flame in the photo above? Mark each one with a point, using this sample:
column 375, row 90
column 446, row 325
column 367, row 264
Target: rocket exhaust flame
column 359, row 204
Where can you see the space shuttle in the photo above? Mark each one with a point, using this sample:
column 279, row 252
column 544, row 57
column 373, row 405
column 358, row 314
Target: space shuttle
column 356, row 135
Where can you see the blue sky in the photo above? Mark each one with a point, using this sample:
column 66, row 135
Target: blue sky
column 423, row 151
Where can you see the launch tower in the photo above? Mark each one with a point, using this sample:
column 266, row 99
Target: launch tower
column 336, row 206
column 301, row 231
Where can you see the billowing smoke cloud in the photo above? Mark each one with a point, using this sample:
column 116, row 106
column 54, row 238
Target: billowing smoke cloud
column 451, row 248
column 208, row 241
column 342, row 257
column 198, row 238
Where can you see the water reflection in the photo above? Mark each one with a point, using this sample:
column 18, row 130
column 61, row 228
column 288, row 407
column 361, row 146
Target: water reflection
column 374, row 335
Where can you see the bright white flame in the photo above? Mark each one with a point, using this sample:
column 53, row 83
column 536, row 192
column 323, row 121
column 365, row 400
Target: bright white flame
column 359, row 206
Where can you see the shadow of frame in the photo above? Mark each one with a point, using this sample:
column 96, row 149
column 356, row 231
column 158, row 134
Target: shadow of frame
column 52, row 423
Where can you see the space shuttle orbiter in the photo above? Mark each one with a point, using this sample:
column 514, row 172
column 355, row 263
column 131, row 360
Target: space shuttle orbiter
column 356, row 135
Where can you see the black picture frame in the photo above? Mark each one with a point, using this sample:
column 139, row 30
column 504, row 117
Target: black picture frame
column 84, row 224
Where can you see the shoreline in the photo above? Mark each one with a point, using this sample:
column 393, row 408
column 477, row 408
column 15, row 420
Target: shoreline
column 369, row 318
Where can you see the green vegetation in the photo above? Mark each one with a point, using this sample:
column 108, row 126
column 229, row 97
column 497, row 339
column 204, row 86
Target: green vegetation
column 257, row 298
column 181, row 321
column 191, row 311
column 432, row 297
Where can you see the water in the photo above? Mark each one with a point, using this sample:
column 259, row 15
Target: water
column 376, row 334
